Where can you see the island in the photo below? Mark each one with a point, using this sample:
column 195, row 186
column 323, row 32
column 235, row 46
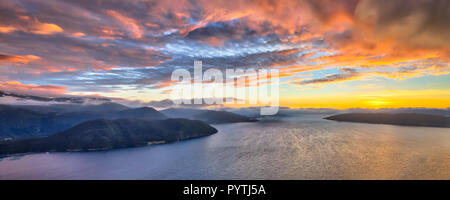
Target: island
column 103, row 134
column 405, row 119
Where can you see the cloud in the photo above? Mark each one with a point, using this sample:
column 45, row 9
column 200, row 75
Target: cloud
column 421, row 23
column 130, row 24
column 44, row 28
column 15, row 86
column 217, row 33
column 16, row 19
column 18, row 58
column 109, row 45
column 7, row 29
column 348, row 74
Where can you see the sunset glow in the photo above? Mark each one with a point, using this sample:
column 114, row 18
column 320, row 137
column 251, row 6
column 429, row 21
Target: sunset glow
column 330, row 54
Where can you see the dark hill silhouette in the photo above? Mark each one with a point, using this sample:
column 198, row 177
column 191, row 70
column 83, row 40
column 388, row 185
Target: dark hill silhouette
column 20, row 123
column 209, row 116
column 143, row 112
column 220, row 117
column 109, row 134
column 406, row 119
column 181, row 112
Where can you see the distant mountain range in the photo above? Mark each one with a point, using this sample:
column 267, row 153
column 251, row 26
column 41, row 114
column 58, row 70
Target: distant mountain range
column 407, row 119
column 221, row 117
column 104, row 134
column 20, row 123
column 181, row 112
column 209, row 116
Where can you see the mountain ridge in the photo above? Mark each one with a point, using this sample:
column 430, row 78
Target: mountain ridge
column 103, row 134
column 209, row 116
column 20, row 123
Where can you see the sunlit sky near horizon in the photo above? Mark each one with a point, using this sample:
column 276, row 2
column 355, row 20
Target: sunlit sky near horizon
column 330, row 53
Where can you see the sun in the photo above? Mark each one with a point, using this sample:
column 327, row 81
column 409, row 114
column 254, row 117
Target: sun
column 377, row 103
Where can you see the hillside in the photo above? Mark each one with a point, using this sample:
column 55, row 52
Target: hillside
column 181, row 112
column 209, row 116
column 109, row 134
column 142, row 113
column 220, row 117
column 20, row 123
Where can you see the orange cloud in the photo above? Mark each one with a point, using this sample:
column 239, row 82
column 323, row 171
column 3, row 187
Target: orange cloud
column 164, row 84
column 29, row 25
column 15, row 86
column 78, row 34
column 167, row 92
column 7, row 29
column 128, row 23
column 18, row 58
column 45, row 28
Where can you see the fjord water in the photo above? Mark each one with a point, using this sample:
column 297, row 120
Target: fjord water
column 300, row 147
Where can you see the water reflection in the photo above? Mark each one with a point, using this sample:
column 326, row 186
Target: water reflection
column 302, row 147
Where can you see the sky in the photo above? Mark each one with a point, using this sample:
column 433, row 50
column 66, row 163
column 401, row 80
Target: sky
column 329, row 53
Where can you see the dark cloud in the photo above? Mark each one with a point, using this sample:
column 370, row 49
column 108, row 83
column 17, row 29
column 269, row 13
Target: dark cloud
column 325, row 10
column 5, row 57
column 218, row 32
column 414, row 22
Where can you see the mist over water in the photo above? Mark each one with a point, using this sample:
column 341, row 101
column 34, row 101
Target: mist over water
column 300, row 147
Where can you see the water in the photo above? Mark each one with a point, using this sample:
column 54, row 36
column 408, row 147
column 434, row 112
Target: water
column 303, row 147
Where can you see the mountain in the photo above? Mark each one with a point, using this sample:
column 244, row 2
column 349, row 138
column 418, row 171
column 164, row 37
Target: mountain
column 220, row 117
column 74, row 118
column 20, row 123
column 109, row 134
column 143, row 112
column 209, row 116
column 109, row 107
column 407, row 119
column 23, row 123
column 181, row 112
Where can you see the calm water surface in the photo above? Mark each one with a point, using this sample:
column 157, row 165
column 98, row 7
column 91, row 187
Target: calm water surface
column 303, row 147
